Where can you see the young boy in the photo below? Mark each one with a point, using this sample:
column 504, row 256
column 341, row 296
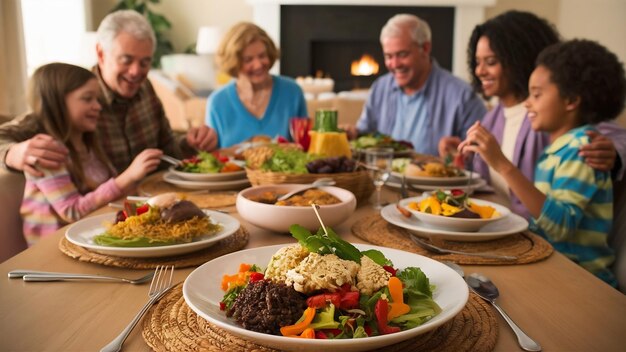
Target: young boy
column 575, row 84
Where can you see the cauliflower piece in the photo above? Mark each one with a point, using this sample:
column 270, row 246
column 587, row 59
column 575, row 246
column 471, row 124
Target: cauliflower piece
column 371, row 276
column 321, row 272
column 285, row 259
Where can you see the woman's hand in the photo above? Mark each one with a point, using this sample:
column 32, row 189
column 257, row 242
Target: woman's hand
column 448, row 146
column 481, row 141
column 202, row 138
column 600, row 153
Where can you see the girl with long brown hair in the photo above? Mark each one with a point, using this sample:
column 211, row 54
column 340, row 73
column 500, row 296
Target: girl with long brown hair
column 64, row 100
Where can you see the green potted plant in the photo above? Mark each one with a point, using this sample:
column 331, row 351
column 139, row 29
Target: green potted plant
column 159, row 24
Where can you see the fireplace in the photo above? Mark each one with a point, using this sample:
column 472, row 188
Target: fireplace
column 325, row 40
column 467, row 14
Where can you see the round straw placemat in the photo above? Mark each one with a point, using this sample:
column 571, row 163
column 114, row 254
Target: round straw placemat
column 526, row 246
column 230, row 244
column 170, row 325
column 154, row 185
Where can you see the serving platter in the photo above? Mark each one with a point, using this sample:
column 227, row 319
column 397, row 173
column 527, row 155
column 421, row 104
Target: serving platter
column 202, row 293
column 217, row 176
column 83, row 231
column 509, row 225
column 173, row 179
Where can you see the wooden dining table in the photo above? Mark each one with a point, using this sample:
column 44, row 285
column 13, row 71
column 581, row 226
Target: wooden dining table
column 556, row 302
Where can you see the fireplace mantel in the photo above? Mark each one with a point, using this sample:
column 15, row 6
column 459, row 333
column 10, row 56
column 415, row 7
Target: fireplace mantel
column 468, row 13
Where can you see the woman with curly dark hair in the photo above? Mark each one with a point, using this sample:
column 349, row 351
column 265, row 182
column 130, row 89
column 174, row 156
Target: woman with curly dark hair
column 576, row 84
column 501, row 57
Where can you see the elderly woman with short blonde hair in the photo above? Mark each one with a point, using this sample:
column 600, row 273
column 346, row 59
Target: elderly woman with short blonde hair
column 254, row 102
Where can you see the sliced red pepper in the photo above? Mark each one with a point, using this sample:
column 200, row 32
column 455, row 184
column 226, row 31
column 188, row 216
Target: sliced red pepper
column 349, row 300
column 220, row 158
column 320, row 301
column 334, row 332
column 254, row 277
column 282, row 139
column 390, row 269
column 222, row 306
column 380, row 310
column 457, row 192
column 320, row 335
column 368, row 330
column 142, row 209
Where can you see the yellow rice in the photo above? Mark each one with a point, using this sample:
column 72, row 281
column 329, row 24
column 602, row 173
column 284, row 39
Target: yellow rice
column 158, row 230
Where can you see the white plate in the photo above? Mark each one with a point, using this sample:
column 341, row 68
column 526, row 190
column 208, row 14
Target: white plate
column 454, row 223
column 170, row 177
column 510, row 225
column 218, row 176
column 425, row 180
column 202, row 293
column 82, row 233
column 476, row 184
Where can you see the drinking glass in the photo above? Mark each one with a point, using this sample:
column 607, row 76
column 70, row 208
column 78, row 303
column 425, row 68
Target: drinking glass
column 299, row 129
column 378, row 161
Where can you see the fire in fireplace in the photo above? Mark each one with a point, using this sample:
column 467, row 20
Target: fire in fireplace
column 365, row 66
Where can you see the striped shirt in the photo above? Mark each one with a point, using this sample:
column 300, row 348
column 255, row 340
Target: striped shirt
column 53, row 201
column 578, row 212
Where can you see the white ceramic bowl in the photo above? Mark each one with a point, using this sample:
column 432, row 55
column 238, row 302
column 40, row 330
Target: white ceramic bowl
column 452, row 223
column 279, row 218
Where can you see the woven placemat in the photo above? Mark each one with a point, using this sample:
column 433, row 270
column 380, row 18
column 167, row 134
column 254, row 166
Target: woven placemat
column 230, row 244
column 526, row 246
column 154, row 185
column 170, row 325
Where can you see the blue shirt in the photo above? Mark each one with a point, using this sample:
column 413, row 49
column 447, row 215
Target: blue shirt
column 451, row 108
column 578, row 212
column 234, row 123
column 411, row 117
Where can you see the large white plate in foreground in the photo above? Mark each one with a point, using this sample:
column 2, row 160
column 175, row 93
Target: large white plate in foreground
column 170, row 177
column 202, row 293
column 510, row 225
column 216, row 176
column 82, row 233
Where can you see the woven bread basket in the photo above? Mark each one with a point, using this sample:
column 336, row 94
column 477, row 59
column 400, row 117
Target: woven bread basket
column 357, row 182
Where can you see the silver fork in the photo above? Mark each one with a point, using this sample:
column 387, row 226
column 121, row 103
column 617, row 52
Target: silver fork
column 171, row 160
column 432, row 248
column 161, row 283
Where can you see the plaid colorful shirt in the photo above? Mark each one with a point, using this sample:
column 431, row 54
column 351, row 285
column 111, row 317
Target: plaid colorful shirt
column 578, row 212
column 128, row 126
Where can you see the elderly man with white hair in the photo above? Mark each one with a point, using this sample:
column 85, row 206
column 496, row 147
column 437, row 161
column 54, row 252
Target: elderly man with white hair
column 132, row 118
column 417, row 100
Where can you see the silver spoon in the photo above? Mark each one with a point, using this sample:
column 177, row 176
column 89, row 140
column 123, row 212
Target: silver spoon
column 320, row 182
column 488, row 291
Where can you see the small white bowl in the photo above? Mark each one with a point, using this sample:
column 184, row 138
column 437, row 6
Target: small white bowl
column 279, row 218
column 452, row 223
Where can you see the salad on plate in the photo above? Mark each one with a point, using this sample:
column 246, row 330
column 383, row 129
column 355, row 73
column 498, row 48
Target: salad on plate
column 325, row 288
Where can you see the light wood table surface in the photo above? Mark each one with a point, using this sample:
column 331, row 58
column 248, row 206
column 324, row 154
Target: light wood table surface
column 556, row 302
